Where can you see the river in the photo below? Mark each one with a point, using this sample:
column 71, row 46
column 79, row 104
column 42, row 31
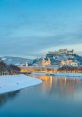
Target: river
column 55, row 97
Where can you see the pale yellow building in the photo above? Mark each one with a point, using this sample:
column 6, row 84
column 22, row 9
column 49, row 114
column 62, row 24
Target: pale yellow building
column 46, row 62
column 69, row 63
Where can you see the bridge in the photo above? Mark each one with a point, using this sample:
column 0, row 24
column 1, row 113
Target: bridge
column 47, row 69
column 30, row 69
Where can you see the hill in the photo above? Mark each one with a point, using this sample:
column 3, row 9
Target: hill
column 8, row 69
column 16, row 60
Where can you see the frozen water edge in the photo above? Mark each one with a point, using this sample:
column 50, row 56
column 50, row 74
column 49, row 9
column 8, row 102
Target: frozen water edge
column 16, row 82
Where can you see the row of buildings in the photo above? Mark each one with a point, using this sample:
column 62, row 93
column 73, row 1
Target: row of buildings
column 62, row 57
column 62, row 63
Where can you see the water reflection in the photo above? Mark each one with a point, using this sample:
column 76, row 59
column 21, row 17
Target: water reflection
column 63, row 87
column 5, row 97
column 51, row 87
column 55, row 97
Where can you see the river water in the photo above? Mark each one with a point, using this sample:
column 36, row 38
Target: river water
column 55, row 97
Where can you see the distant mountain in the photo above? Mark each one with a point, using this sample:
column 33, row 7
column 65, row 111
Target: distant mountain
column 16, row 60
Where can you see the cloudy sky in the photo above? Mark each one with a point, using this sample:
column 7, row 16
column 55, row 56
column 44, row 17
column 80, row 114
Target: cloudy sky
column 32, row 27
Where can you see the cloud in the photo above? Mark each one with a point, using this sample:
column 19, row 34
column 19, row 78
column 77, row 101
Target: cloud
column 31, row 27
column 36, row 45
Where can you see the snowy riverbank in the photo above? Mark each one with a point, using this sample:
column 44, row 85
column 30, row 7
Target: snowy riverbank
column 16, row 82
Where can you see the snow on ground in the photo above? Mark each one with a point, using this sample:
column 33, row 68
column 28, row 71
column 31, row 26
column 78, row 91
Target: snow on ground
column 16, row 82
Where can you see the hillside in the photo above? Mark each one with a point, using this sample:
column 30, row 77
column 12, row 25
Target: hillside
column 8, row 69
column 16, row 60
column 56, row 57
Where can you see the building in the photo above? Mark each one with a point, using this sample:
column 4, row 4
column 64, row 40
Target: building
column 70, row 52
column 46, row 62
column 69, row 63
column 60, row 52
column 65, row 51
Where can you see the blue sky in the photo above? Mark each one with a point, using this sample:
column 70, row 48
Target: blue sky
column 32, row 27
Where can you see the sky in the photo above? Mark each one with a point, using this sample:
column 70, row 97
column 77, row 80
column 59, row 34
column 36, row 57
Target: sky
column 33, row 27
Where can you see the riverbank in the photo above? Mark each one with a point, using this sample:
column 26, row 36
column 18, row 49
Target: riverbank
column 67, row 75
column 16, row 82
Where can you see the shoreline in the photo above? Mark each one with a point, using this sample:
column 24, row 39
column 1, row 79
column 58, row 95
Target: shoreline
column 16, row 82
column 68, row 75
